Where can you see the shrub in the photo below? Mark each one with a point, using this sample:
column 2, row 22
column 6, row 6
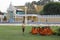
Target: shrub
column 58, row 31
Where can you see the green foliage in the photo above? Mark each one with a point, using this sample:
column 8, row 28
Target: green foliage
column 58, row 31
column 41, row 12
column 52, row 8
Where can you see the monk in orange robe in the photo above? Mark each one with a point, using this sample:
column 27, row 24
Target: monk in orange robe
column 34, row 30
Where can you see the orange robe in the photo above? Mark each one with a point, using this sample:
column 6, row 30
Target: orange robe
column 34, row 31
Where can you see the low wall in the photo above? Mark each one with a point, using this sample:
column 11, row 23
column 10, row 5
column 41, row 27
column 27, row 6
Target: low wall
column 30, row 24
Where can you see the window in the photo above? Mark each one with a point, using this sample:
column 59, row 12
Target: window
column 19, row 12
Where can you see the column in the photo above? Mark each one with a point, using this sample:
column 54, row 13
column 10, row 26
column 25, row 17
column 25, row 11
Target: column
column 25, row 15
column 38, row 19
column 32, row 18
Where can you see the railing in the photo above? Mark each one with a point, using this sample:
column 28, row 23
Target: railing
column 31, row 22
column 49, row 16
column 40, row 16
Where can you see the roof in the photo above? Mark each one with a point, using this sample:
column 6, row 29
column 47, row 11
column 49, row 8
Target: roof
column 20, row 7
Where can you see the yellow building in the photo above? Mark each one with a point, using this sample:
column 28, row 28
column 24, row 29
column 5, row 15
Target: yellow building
column 19, row 14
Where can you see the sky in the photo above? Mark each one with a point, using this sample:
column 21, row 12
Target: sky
column 4, row 4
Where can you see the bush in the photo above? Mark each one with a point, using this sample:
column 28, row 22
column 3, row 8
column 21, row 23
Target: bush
column 58, row 31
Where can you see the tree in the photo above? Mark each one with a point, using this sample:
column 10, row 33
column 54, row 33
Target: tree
column 38, row 3
column 52, row 9
column 43, row 2
column 31, row 8
column 28, row 4
column 34, row 2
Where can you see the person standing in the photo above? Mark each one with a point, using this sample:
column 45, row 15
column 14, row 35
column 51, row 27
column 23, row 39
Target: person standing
column 23, row 28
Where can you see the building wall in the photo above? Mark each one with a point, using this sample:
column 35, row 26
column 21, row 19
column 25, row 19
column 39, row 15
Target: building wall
column 34, row 19
column 42, row 19
column 49, row 19
column 17, row 19
column 53, row 19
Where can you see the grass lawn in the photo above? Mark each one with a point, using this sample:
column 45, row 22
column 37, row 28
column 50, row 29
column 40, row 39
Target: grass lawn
column 15, row 33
